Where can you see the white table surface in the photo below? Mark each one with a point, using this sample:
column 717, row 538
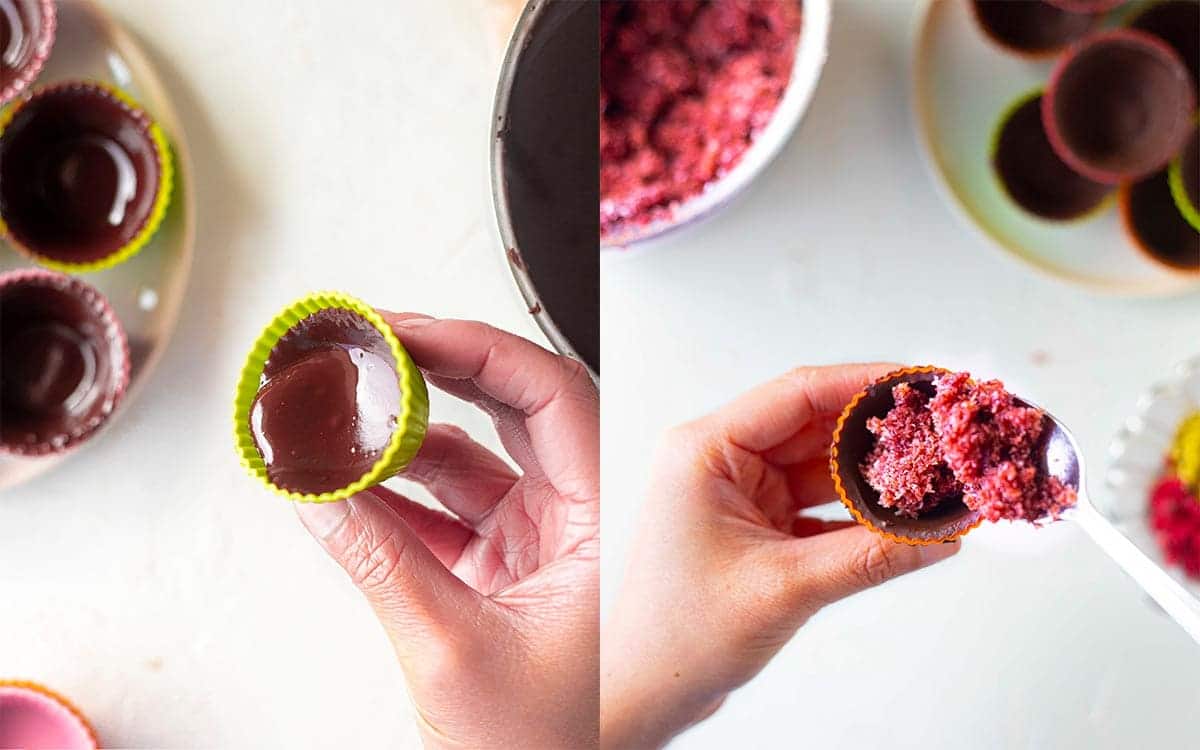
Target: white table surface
column 151, row 581
column 841, row 252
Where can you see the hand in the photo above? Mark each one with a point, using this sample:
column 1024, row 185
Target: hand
column 493, row 611
column 723, row 571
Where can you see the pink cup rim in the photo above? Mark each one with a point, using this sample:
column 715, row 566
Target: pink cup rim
column 115, row 335
column 49, row 705
column 1050, row 122
column 41, row 52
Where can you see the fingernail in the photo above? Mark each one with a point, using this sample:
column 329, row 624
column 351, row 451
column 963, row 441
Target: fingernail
column 415, row 322
column 937, row 552
column 323, row 519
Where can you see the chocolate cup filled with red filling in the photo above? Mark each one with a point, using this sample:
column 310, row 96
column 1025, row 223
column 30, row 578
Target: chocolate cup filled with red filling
column 1118, row 106
column 1031, row 173
column 1176, row 22
column 84, row 177
column 1157, row 227
column 1031, row 28
column 64, row 362
column 923, row 455
column 27, row 31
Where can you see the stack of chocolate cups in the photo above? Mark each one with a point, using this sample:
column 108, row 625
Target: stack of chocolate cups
column 86, row 178
column 1117, row 117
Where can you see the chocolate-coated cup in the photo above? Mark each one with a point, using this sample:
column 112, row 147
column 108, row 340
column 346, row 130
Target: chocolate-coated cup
column 1118, row 106
column 329, row 403
column 1030, row 172
column 1176, row 22
column 1184, row 178
column 1031, row 28
column 64, row 362
column 1155, row 225
column 27, row 30
column 33, row 716
column 852, row 442
column 85, row 177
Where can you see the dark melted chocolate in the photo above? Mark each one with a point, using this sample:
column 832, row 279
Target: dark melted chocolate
column 1123, row 107
column 17, row 37
column 1033, row 175
column 1176, row 22
column 57, row 374
column 328, row 403
column 1156, row 223
column 552, row 168
column 1190, row 168
column 78, row 174
column 1032, row 26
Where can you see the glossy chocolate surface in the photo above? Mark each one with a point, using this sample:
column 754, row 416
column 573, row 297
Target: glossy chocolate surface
column 948, row 519
column 59, row 378
column 328, row 403
column 1031, row 26
column 1121, row 106
column 1176, row 22
column 79, row 174
column 1155, row 223
column 1033, row 175
column 19, row 28
column 552, row 167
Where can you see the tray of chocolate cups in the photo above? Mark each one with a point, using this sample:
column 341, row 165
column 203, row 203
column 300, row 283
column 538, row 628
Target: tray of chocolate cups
column 924, row 455
column 1066, row 132
column 96, row 228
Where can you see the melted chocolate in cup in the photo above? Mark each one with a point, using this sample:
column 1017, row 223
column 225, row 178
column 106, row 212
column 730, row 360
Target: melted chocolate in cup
column 79, row 174
column 328, row 404
column 1189, row 169
column 1119, row 106
column 1033, row 175
column 27, row 29
column 64, row 362
column 1176, row 22
column 1086, row 6
column 852, row 443
column 1154, row 223
column 1031, row 28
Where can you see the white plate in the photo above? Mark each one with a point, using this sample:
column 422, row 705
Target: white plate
column 961, row 85
column 1137, row 456
column 147, row 291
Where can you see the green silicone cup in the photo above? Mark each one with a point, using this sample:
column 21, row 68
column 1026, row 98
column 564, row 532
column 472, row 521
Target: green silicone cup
column 1183, row 202
column 414, row 396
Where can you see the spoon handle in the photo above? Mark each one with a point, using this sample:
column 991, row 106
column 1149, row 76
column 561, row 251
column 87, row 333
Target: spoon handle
column 1177, row 601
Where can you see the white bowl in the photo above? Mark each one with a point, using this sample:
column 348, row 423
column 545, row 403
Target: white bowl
column 811, row 52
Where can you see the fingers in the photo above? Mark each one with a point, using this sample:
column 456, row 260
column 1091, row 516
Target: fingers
column 775, row 411
column 803, row 526
column 415, row 596
column 810, row 483
column 445, row 536
column 832, row 566
column 556, row 395
column 465, row 476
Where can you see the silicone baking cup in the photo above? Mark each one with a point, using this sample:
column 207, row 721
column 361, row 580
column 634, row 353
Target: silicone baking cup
column 154, row 134
column 414, row 408
column 42, row 44
column 851, row 443
column 40, row 717
column 1189, row 205
column 105, row 330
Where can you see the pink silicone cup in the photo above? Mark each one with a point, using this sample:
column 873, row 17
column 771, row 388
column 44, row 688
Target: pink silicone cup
column 33, row 718
column 119, row 357
column 1054, row 130
column 47, row 12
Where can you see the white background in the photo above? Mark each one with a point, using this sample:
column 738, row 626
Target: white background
column 842, row 251
column 336, row 145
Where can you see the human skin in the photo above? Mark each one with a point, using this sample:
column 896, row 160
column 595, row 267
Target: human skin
column 493, row 611
column 723, row 571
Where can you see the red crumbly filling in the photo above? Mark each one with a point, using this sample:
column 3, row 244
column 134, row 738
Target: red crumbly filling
column 970, row 441
column 685, row 86
column 1175, row 518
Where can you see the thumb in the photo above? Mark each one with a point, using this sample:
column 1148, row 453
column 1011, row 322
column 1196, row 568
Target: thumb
column 413, row 594
column 828, row 567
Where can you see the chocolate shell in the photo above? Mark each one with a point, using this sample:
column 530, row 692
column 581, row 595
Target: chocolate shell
column 852, row 441
column 1156, row 226
column 1031, row 28
column 1176, row 22
column 27, row 31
